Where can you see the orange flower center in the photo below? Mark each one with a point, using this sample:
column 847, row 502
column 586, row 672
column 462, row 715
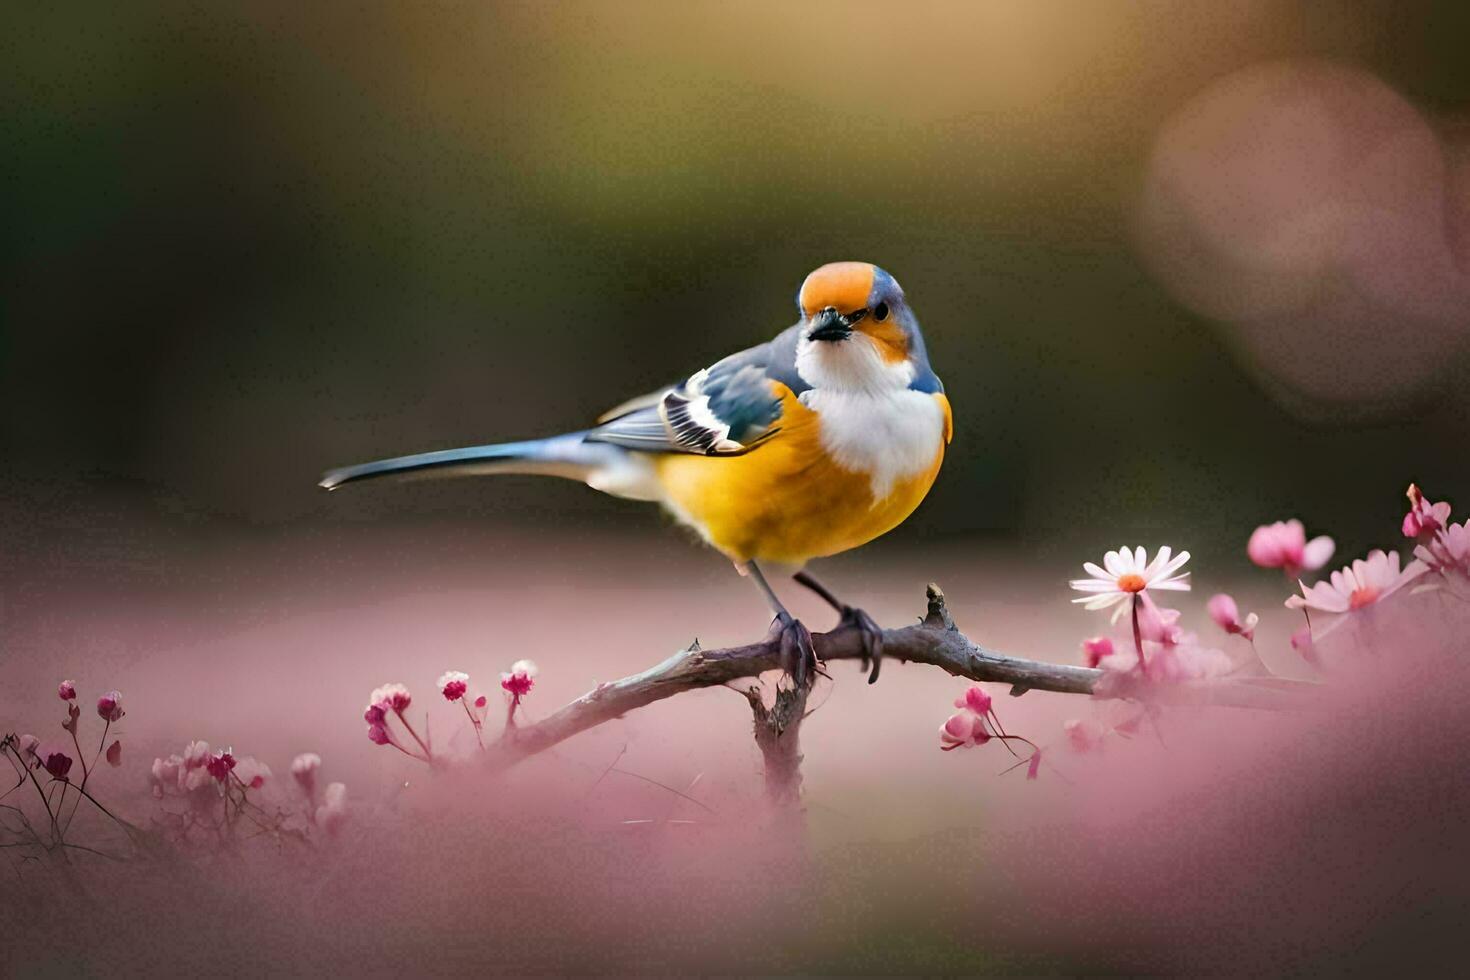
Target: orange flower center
column 1132, row 583
column 1362, row 597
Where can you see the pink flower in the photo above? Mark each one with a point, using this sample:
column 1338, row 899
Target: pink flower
column 1122, row 660
column 1226, row 615
column 195, row 780
column 976, row 699
column 58, row 764
column 220, row 765
column 166, row 773
column 378, row 735
column 333, row 812
column 114, row 753
column 28, row 745
column 1034, row 765
column 520, row 678
column 1424, row 518
column 109, row 706
column 66, row 690
column 394, row 697
column 303, row 770
column 480, row 701
column 1359, row 585
column 375, row 714
column 252, row 772
column 1095, row 649
column 196, row 754
column 454, row 683
column 1284, row 545
column 1447, row 550
column 963, row 729
column 1157, row 625
column 1126, row 573
column 1082, row 736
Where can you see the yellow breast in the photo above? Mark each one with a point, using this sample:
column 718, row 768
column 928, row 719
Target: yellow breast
column 789, row 500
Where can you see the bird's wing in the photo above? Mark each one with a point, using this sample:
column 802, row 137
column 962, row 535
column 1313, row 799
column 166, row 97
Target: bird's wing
column 724, row 410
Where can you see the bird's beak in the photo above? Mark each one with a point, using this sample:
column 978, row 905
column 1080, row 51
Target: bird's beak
column 831, row 325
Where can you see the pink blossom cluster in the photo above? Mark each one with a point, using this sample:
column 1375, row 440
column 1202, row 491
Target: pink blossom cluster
column 1284, row 545
column 385, row 713
column 1152, row 646
column 1162, row 650
column 200, row 768
column 1443, row 548
column 1424, row 519
column 327, row 810
column 222, row 792
column 455, row 686
column 519, row 680
column 63, row 793
column 977, row 723
column 388, row 702
column 972, row 726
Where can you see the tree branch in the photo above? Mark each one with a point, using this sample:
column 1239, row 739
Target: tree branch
column 935, row 641
column 778, row 736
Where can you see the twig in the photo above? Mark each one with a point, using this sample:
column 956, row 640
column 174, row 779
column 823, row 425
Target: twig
column 934, row 641
column 665, row 786
column 598, row 781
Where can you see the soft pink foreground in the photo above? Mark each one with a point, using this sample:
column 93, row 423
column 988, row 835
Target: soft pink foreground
column 1330, row 838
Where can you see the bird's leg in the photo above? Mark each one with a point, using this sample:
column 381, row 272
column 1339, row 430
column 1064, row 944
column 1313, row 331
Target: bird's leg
column 854, row 617
column 798, row 655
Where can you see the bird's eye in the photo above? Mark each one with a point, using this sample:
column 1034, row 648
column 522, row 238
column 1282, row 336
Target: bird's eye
column 880, row 312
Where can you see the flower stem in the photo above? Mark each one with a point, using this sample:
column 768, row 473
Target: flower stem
column 1261, row 661
column 25, row 767
column 473, row 721
column 86, row 770
column 1017, row 738
column 428, row 756
column 1138, row 636
column 412, row 755
column 81, row 756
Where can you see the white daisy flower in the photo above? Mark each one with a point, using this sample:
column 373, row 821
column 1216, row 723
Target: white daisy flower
column 1125, row 573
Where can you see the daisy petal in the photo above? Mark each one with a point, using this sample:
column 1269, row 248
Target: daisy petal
column 1160, row 560
column 1178, row 563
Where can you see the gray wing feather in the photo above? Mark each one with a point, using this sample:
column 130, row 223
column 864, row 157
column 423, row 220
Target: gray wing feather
column 726, row 409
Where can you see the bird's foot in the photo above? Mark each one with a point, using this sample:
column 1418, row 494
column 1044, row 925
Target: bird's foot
column 798, row 653
column 872, row 634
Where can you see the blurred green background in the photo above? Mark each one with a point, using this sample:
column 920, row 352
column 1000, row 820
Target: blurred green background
column 245, row 243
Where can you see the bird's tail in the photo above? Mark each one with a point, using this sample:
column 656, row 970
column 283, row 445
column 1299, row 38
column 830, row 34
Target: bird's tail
column 599, row 464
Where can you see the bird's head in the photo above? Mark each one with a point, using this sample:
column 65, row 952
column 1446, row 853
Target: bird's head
column 857, row 329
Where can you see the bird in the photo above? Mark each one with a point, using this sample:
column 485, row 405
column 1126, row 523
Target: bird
column 811, row 444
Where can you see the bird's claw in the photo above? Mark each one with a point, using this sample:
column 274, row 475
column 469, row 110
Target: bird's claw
column 798, row 653
column 872, row 635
